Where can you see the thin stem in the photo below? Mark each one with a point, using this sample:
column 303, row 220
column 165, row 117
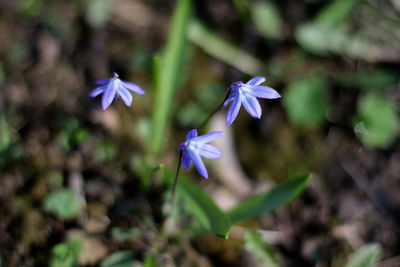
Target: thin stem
column 176, row 178
column 215, row 111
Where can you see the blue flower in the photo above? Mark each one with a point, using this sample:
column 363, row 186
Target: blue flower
column 195, row 146
column 246, row 94
column 115, row 88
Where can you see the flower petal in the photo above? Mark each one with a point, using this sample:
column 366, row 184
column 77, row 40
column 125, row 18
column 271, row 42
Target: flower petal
column 207, row 137
column 191, row 134
column 209, row 151
column 97, row 91
column 126, row 96
column 109, row 95
column 133, row 87
column 256, row 80
column 186, row 160
column 263, row 92
column 252, row 106
column 198, row 162
column 230, row 98
column 233, row 110
column 102, row 81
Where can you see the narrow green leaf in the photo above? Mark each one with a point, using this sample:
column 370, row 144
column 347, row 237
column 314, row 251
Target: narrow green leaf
column 223, row 50
column 123, row 258
column 267, row 202
column 366, row 256
column 368, row 79
column 168, row 69
column 203, row 208
column 336, row 12
column 260, row 249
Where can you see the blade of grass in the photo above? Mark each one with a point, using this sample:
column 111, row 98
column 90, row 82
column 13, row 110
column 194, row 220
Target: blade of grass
column 221, row 49
column 167, row 71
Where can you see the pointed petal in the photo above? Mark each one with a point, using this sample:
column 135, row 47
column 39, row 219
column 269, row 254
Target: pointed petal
column 198, row 162
column 209, row 151
column 230, row 98
column 208, row 137
column 191, row 134
column 133, row 87
column 233, row 110
column 97, row 91
column 252, row 106
column 256, row 80
column 186, row 160
column 109, row 95
column 263, row 92
column 126, row 96
column 102, row 81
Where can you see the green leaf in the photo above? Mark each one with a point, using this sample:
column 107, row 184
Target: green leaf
column 65, row 254
column 306, row 101
column 270, row 201
column 64, row 203
column 267, row 19
column 379, row 120
column 221, row 49
column 203, row 208
column 366, row 256
column 260, row 249
column 368, row 79
column 336, row 12
column 167, row 72
column 124, row 258
column 150, row 261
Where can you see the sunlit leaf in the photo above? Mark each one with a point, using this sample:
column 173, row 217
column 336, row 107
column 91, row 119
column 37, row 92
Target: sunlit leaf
column 221, row 49
column 270, row 201
column 64, row 203
column 366, row 256
column 203, row 208
column 168, row 69
column 260, row 249
column 380, row 121
column 123, row 258
column 306, row 102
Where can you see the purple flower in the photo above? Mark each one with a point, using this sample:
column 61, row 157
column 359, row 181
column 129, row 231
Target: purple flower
column 246, row 94
column 115, row 88
column 195, row 146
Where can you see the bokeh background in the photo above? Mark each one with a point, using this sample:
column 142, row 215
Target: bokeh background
column 69, row 169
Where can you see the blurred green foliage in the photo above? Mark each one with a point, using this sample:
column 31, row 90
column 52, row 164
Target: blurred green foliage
column 365, row 256
column 223, row 50
column 379, row 119
column 376, row 79
column 73, row 134
column 267, row 19
column 64, row 203
column 260, row 249
column 306, row 101
column 123, row 258
column 65, row 254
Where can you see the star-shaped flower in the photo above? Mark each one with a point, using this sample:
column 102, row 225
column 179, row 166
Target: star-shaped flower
column 115, row 88
column 246, row 94
column 195, row 146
